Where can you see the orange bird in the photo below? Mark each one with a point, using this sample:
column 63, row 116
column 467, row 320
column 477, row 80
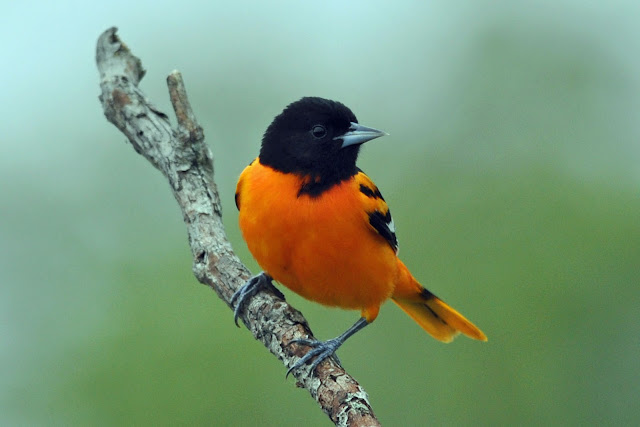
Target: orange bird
column 318, row 225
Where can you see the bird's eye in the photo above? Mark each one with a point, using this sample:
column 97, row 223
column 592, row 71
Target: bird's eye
column 318, row 131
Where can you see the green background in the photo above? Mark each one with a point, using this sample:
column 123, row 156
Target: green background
column 512, row 171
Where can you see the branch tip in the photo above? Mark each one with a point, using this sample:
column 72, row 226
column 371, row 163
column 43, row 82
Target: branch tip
column 181, row 105
column 112, row 54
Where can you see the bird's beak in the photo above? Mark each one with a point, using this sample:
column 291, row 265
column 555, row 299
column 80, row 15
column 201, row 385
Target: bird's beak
column 358, row 134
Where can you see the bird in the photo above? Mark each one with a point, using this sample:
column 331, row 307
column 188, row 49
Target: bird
column 318, row 225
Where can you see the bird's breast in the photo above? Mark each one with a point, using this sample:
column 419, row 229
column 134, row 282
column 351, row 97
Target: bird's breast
column 320, row 247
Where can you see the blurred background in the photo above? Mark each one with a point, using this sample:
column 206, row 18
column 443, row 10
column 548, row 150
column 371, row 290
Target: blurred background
column 512, row 171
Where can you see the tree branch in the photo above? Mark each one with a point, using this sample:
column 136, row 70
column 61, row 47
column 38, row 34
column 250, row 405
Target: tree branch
column 182, row 156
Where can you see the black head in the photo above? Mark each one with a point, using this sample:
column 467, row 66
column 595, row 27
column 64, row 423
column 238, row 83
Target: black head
column 315, row 137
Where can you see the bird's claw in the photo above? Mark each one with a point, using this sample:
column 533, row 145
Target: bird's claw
column 321, row 350
column 243, row 295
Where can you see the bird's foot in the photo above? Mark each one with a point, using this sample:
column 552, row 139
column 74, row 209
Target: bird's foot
column 254, row 285
column 323, row 349
column 319, row 349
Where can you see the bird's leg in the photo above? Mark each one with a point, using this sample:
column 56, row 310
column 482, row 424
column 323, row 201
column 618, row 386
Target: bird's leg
column 323, row 349
column 254, row 285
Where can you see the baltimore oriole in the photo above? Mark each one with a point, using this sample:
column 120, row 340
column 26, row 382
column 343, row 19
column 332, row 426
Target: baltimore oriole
column 318, row 225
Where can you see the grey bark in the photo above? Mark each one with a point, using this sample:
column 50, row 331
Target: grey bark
column 182, row 156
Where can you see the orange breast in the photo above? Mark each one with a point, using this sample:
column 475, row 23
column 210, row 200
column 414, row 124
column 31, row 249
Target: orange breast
column 321, row 248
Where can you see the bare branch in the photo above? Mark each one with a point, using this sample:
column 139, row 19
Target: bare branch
column 185, row 160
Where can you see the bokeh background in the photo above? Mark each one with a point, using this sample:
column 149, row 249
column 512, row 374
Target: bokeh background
column 512, row 171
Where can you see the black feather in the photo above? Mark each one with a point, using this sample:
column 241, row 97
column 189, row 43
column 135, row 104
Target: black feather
column 381, row 223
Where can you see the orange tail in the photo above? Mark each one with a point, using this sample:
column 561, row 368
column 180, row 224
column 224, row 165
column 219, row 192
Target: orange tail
column 430, row 312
